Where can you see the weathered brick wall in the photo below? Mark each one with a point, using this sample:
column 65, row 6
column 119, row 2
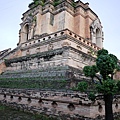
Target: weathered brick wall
column 2, row 67
column 62, row 104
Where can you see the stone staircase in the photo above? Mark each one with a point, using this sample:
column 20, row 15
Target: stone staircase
column 54, row 72
column 60, row 77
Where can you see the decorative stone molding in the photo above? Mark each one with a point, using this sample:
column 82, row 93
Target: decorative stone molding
column 66, row 44
column 50, row 46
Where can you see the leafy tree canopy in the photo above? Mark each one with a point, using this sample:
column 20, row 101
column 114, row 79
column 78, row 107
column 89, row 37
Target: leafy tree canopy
column 82, row 86
column 108, row 87
column 103, row 71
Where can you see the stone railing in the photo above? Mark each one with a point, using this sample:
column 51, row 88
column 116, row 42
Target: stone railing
column 65, row 32
column 82, row 40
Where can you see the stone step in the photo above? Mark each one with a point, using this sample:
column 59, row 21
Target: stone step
column 50, row 72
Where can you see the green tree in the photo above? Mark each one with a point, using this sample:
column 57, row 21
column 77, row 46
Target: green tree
column 102, row 76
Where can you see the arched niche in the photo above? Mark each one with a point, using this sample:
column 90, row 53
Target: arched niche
column 26, row 32
column 98, row 37
column 96, row 33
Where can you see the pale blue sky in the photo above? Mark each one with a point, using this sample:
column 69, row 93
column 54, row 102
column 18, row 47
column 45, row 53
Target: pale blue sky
column 107, row 10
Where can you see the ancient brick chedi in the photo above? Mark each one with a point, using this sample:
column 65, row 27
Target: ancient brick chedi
column 55, row 34
column 56, row 40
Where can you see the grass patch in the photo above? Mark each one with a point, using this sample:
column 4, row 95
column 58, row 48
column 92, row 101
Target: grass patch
column 7, row 113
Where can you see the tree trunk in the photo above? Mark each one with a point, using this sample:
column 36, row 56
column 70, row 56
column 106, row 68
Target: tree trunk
column 108, row 107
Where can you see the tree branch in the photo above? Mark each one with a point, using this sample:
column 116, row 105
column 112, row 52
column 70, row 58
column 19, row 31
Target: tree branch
column 100, row 80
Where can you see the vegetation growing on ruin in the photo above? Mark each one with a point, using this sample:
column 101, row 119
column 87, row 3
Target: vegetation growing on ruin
column 56, row 2
column 36, row 3
column 29, row 83
column 42, row 2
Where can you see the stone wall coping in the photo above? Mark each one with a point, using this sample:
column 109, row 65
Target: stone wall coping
column 43, row 54
column 46, row 99
column 56, row 35
column 59, row 99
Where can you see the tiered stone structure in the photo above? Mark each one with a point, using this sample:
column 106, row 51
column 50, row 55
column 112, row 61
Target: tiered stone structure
column 65, row 34
column 56, row 41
